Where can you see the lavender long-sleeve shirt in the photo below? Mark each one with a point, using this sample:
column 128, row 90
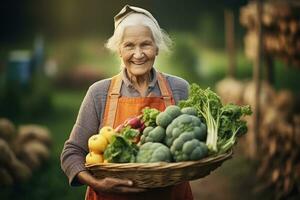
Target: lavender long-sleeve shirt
column 90, row 116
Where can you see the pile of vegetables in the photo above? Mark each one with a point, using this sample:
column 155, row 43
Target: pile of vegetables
column 178, row 130
column 198, row 127
column 123, row 148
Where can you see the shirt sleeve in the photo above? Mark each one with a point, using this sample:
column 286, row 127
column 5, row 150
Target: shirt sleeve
column 179, row 88
column 75, row 148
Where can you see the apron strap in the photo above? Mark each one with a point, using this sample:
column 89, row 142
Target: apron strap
column 165, row 89
column 112, row 100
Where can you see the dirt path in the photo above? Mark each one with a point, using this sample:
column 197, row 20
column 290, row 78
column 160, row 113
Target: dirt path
column 234, row 180
column 213, row 187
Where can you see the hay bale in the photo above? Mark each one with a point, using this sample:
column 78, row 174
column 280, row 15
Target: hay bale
column 251, row 45
column 6, row 179
column 19, row 171
column 280, row 22
column 267, row 95
column 296, row 121
column 33, row 132
column 285, row 103
column 7, row 130
column 6, row 155
column 33, row 154
column 39, row 149
column 230, row 90
column 30, row 159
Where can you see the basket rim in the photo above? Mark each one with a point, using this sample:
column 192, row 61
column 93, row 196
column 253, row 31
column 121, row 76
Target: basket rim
column 160, row 165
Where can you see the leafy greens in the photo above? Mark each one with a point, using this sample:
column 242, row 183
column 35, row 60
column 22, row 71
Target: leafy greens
column 223, row 123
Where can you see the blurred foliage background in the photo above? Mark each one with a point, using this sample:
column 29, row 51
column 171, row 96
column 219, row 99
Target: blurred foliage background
column 62, row 46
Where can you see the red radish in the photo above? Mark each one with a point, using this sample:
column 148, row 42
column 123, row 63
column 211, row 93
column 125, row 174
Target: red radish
column 134, row 122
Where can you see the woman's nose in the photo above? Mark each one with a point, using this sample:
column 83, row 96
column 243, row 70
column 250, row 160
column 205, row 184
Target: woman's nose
column 138, row 53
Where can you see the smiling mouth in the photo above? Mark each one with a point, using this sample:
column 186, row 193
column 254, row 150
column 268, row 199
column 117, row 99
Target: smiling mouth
column 138, row 63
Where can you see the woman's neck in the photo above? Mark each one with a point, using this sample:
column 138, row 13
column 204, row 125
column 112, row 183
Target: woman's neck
column 140, row 82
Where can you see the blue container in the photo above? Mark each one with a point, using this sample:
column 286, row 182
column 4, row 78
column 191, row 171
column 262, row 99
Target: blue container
column 18, row 69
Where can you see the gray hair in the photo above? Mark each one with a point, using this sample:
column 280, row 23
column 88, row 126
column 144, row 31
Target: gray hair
column 161, row 38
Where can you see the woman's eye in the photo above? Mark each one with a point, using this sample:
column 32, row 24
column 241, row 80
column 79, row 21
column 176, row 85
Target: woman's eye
column 128, row 45
column 146, row 44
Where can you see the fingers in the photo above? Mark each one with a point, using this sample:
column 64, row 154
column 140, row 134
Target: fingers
column 114, row 182
column 114, row 185
column 123, row 189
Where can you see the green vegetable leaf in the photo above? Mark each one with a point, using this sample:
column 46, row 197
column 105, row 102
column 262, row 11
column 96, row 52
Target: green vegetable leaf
column 149, row 116
column 120, row 150
column 130, row 133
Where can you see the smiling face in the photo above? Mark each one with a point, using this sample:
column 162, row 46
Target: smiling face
column 138, row 50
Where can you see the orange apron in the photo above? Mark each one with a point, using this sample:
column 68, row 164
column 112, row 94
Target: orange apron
column 117, row 110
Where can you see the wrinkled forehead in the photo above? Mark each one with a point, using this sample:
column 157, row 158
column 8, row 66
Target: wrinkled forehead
column 137, row 32
column 137, row 22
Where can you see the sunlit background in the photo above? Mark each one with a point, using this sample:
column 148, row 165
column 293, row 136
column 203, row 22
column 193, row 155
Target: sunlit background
column 51, row 51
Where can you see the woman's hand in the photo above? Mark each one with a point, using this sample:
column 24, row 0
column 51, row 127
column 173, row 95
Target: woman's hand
column 114, row 185
column 108, row 185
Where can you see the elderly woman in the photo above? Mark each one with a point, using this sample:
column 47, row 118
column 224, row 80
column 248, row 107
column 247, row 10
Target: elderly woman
column 137, row 39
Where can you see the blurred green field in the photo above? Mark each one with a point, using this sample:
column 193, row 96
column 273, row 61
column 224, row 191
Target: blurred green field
column 74, row 33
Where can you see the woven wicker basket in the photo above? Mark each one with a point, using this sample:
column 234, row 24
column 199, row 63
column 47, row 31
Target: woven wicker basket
column 153, row 175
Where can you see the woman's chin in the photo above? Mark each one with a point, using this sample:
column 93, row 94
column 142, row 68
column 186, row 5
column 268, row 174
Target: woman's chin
column 138, row 72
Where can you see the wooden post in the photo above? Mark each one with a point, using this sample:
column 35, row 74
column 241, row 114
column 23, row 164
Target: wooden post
column 269, row 72
column 229, row 31
column 257, row 78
